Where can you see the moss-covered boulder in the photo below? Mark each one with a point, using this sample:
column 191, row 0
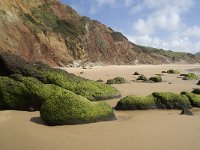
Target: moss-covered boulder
column 157, row 100
column 196, row 91
column 69, row 108
column 136, row 103
column 116, row 80
column 156, row 79
column 194, row 99
column 191, row 76
column 142, row 77
column 167, row 100
column 12, row 64
column 172, row 71
column 24, row 93
column 59, row 106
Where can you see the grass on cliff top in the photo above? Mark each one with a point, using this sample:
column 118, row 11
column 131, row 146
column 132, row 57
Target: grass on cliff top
column 157, row 100
column 166, row 53
column 12, row 64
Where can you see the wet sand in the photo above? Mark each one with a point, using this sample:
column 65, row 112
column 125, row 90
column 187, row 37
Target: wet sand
column 140, row 130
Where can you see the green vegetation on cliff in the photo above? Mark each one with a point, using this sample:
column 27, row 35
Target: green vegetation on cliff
column 43, row 19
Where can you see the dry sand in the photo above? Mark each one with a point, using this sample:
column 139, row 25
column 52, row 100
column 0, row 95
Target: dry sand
column 139, row 130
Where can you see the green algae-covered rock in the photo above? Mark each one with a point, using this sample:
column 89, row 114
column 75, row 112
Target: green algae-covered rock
column 116, row 80
column 172, row 71
column 142, row 77
column 158, row 100
column 24, row 93
column 156, row 79
column 191, row 76
column 59, row 106
column 194, row 99
column 196, row 91
column 69, row 108
column 12, row 64
column 167, row 100
column 136, row 103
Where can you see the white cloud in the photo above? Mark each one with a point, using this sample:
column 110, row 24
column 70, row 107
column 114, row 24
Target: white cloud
column 165, row 17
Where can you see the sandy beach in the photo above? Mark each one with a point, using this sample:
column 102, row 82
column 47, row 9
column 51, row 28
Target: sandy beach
column 140, row 130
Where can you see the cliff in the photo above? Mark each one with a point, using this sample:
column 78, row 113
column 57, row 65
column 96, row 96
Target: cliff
column 51, row 32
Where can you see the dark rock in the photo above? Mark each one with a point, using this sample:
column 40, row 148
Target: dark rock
column 186, row 112
column 136, row 73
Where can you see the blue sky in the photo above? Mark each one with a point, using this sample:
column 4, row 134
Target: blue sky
column 167, row 24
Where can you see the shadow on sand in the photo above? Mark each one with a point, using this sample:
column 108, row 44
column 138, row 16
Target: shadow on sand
column 38, row 120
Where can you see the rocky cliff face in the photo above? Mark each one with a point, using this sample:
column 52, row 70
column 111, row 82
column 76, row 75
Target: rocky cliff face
column 48, row 31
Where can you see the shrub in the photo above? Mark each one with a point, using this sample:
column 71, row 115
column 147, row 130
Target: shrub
column 196, row 91
column 191, row 76
column 167, row 100
column 142, row 77
column 194, row 99
column 118, row 36
column 116, row 80
column 156, row 79
column 12, row 64
column 69, row 108
column 172, row 71
column 136, row 103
